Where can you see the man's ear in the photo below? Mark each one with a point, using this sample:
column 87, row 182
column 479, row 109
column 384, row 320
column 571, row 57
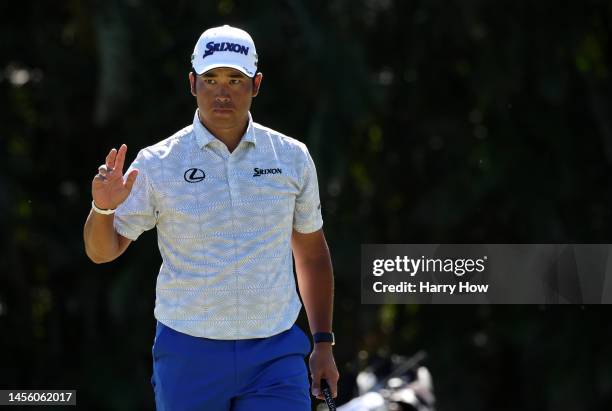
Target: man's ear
column 192, row 83
column 257, row 83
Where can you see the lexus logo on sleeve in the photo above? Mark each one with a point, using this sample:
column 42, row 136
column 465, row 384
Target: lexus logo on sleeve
column 194, row 175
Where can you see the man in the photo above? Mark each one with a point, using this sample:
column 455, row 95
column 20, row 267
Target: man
column 231, row 200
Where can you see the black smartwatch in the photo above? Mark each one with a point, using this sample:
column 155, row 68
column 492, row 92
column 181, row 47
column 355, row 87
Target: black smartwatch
column 324, row 337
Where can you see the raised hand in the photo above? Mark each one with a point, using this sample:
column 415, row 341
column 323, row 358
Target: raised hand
column 108, row 187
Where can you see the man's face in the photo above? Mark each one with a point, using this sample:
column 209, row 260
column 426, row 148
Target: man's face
column 224, row 97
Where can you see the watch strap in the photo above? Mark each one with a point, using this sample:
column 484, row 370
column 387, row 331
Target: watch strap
column 324, row 337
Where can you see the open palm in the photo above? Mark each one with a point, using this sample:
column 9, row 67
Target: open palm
column 109, row 188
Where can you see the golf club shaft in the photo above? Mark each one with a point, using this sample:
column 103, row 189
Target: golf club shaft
column 331, row 404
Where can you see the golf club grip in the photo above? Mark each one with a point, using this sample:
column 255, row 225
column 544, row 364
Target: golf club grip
column 331, row 404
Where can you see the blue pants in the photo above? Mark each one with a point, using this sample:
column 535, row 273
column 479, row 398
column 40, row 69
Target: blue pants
column 201, row 374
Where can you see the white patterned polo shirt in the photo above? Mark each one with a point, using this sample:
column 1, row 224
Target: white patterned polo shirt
column 224, row 223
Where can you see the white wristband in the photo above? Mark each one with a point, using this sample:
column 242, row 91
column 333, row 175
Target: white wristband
column 102, row 211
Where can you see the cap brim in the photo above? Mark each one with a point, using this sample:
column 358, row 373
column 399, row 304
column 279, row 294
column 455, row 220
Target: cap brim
column 209, row 67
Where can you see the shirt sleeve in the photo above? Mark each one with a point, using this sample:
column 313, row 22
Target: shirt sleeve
column 307, row 213
column 137, row 213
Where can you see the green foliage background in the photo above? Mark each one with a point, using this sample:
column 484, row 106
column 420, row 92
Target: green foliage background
column 430, row 122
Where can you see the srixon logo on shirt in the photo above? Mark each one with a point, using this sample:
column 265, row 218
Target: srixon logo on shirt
column 212, row 47
column 261, row 171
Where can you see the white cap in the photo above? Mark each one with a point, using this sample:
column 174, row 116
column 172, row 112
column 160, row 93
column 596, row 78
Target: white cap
column 225, row 46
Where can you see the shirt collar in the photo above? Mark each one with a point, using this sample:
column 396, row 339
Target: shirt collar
column 205, row 137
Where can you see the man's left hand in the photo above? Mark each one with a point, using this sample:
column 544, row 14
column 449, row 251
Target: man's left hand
column 323, row 366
